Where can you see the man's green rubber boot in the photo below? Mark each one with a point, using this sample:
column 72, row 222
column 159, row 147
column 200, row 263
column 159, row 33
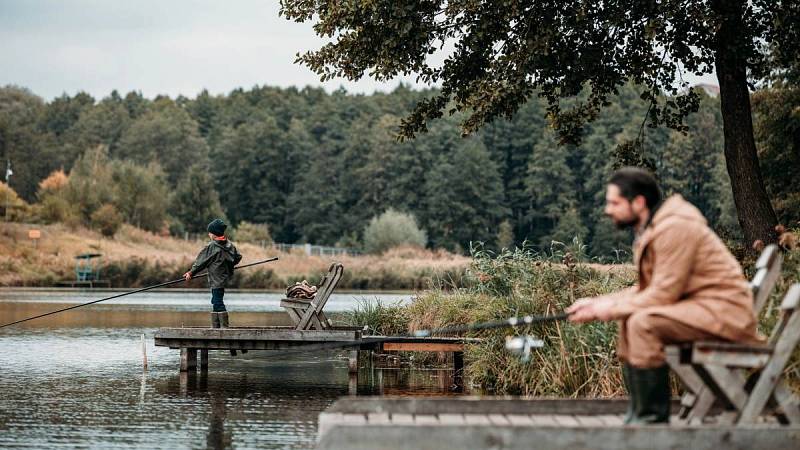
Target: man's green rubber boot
column 652, row 394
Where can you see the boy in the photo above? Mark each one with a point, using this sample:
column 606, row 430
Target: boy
column 219, row 257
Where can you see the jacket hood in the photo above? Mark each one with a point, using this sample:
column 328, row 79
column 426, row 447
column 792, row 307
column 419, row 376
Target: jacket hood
column 226, row 244
column 676, row 207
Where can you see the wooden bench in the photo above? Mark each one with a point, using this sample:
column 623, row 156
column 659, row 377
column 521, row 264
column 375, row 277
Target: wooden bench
column 745, row 379
column 306, row 314
column 698, row 401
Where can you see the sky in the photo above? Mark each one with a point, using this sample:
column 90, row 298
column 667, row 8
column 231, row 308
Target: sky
column 172, row 47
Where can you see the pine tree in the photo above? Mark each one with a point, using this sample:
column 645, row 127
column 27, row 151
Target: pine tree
column 195, row 201
column 464, row 197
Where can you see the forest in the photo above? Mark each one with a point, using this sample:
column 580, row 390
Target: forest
column 317, row 167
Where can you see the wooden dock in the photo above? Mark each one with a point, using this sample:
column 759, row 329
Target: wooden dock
column 508, row 423
column 191, row 340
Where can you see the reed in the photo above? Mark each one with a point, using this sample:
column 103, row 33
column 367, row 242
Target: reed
column 577, row 360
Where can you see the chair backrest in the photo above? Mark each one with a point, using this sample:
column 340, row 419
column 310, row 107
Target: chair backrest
column 789, row 308
column 327, row 285
column 768, row 270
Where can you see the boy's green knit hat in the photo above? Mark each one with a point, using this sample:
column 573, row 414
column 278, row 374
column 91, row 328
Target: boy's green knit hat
column 217, row 227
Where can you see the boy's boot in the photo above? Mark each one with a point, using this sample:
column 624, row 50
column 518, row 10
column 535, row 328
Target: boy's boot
column 627, row 378
column 214, row 320
column 224, row 323
column 652, row 394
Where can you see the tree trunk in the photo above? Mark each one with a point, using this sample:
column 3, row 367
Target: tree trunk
column 753, row 208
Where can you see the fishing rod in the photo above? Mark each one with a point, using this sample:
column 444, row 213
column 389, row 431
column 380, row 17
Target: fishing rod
column 507, row 323
column 168, row 283
column 521, row 346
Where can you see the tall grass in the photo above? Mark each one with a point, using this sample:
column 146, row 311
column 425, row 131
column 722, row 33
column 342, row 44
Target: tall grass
column 577, row 360
column 379, row 318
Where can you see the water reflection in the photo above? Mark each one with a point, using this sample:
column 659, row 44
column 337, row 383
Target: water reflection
column 188, row 299
column 217, row 437
column 76, row 379
column 127, row 316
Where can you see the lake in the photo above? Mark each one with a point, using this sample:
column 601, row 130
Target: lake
column 75, row 379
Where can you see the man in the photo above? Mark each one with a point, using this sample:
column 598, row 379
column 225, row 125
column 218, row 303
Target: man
column 690, row 288
column 219, row 257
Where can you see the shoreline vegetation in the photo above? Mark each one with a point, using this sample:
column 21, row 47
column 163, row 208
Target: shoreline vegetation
column 446, row 289
column 137, row 258
column 577, row 360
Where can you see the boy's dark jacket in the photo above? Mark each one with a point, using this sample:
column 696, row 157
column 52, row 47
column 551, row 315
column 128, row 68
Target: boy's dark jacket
column 218, row 257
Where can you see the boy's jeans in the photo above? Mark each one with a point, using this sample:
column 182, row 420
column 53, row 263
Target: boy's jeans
column 216, row 299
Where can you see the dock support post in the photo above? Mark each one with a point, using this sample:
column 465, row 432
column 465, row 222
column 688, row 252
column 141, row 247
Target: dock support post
column 352, row 384
column 188, row 359
column 352, row 361
column 204, row 360
column 458, row 363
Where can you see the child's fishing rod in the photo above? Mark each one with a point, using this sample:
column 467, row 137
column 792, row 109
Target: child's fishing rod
column 168, row 283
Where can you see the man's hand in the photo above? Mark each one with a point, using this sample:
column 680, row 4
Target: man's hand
column 588, row 310
column 187, row 276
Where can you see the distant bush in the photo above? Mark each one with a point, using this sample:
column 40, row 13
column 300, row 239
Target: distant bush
column 349, row 240
column 253, row 233
column 55, row 208
column 107, row 220
column 54, row 182
column 390, row 229
column 18, row 210
column 505, row 235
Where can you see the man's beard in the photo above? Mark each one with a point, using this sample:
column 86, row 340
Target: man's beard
column 630, row 223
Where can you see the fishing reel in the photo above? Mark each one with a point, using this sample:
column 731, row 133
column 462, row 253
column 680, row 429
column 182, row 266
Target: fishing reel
column 522, row 345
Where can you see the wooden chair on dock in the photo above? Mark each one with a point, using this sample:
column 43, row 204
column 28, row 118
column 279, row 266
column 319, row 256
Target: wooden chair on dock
column 306, row 314
column 697, row 401
column 748, row 378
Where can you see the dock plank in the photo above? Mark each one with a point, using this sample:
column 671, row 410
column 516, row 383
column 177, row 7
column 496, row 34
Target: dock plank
column 477, row 419
column 354, row 419
column 520, row 420
column 452, row 419
column 499, row 419
column 566, row 420
column 589, row 421
column 543, row 420
column 256, row 334
column 423, row 347
column 378, row 418
column 402, row 419
column 426, row 419
column 611, row 420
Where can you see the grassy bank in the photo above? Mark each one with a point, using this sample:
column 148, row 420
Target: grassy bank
column 577, row 360
column 136, row 258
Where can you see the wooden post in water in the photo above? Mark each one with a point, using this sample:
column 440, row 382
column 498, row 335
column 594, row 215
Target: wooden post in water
column 458, row 363
column 144, row 353
column 188, row 359
column 352, row 361
column 352, row 384
column 204, row 360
